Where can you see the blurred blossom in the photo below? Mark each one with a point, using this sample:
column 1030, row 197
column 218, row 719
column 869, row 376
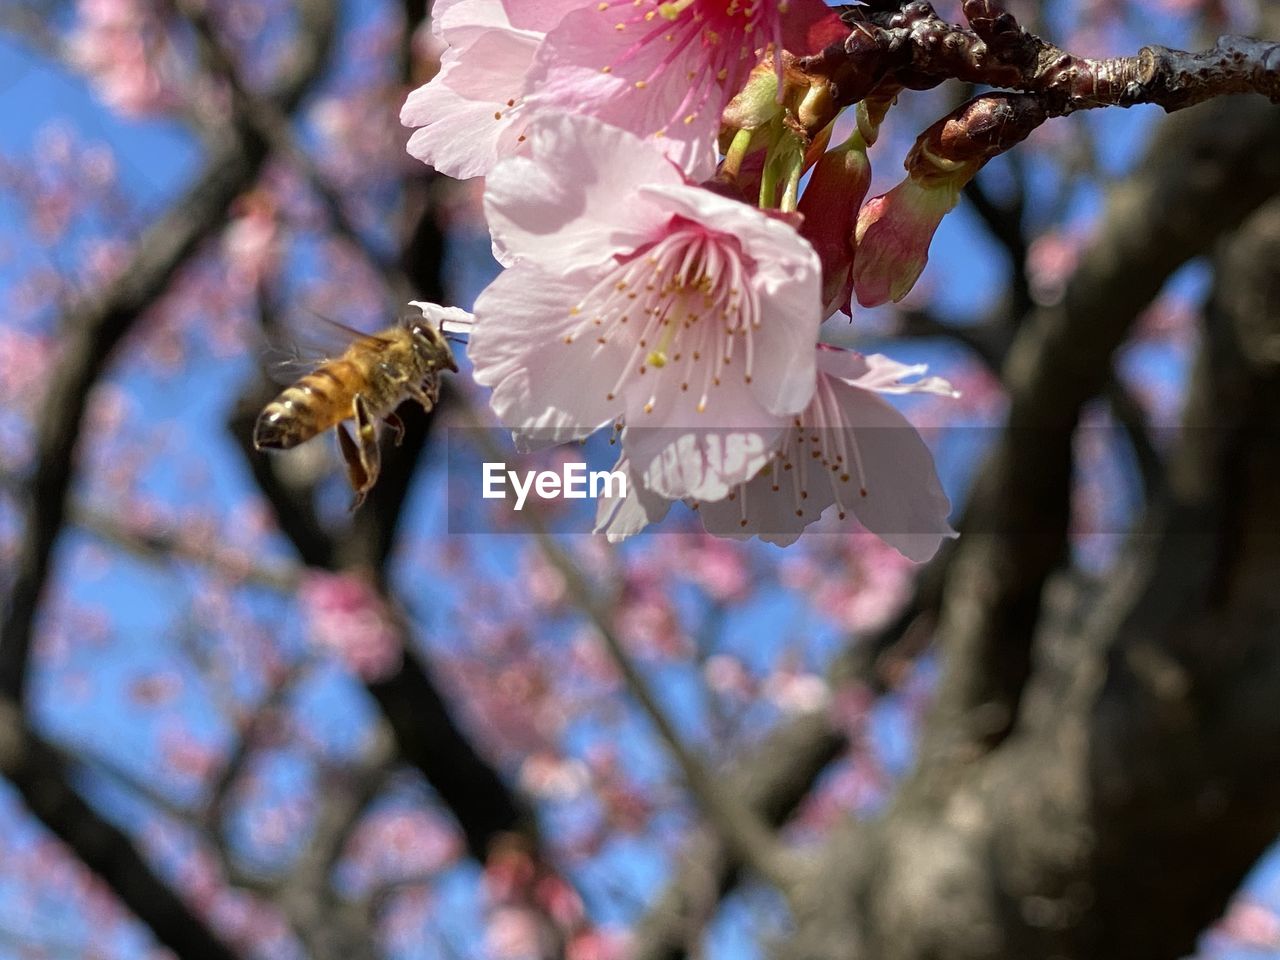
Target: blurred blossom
column 597, row 945
column 186, row 757
column 105, row 260
column 345, row 616
column 25, row 359
column 1252, row 925
column 120, row 44
column 155, row 689
column 1171, row 317
column 644, row 615
column 553, row 778
column 728, row 676
column 509, row 870
column 544, row 583
column 718, row 566
column 797, row 692
column 401, row 844
column 868, row 588
column 251, row 242
column 363, row 141
column 514, row 933
column 1051, row 259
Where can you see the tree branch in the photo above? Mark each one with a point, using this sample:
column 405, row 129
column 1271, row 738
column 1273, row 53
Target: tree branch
column 98, row 324
column 743, row 829
column 92, row 331
column 40, row 775
column 913, row 47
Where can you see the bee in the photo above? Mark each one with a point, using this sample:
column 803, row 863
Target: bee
column 365, row 384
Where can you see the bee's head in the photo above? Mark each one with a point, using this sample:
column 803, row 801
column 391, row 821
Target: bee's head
column 430, row 345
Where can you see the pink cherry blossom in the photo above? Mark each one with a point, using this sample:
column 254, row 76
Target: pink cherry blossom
column 665, row 70
column 467, row 115
column 851, row 449
column 636, row 296
column 345, row 616
column 120, row 45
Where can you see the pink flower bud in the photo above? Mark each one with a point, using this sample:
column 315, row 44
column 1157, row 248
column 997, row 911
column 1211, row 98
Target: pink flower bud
column 893, row 235
column 830, row 206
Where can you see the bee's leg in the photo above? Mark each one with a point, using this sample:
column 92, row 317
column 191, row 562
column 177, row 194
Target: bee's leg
column 397, row 427
column 370, row 456
column 428, row 393
column 356, row 474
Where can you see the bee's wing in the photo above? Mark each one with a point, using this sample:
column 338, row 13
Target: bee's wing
column 307, row 344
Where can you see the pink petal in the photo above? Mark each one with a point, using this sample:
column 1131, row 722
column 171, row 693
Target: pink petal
column 786, row 275
column 458, row 132
column 561, row 206
column 809, row 26
column 905, row 504
column 620, row 518
column 546, row 390
column 637, row 92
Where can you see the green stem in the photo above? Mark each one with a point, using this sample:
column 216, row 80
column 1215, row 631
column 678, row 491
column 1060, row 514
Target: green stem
column 791, row 194
column 769, row 180
column 736, row 153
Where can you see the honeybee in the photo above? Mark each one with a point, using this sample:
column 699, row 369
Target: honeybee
column 365, row 384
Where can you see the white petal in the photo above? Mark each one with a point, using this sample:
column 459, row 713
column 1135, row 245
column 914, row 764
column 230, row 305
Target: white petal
column 905, row 504
column 544, row 389
column 573, row 202
column 787, row 277
column 622, row 517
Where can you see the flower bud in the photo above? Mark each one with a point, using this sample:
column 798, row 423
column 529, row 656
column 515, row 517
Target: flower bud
column 758, row 102
column 893, row 236
column 830, row 206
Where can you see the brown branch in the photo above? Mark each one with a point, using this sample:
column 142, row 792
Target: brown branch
column 40, row 775
column 770, row 781
column 163, row 546
column 98, row 324
column 1061, row 359
column 275, row 127
column 330, row 927
column 92, row 331
column 913, row 47
column 744, row 831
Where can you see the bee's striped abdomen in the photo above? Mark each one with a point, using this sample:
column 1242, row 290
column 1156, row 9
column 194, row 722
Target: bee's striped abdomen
column 312, row 405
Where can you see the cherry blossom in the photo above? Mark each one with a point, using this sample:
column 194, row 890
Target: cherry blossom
column 849, row 449
column 853, row 450
column 635, row 295
column 345, row 616
column 120, row 45
column 467, row 114
column 665, row 70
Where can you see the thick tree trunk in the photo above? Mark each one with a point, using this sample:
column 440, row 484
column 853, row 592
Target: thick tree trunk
column 1096, row 784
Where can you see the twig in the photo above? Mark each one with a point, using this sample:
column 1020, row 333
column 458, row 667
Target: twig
column 161, row 547
column 274, row 126
column 100, row 322
column 915, row 48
